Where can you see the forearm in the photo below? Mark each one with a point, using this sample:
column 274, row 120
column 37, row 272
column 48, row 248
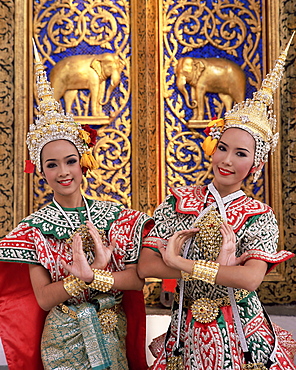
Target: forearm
column 127, row 279
column 51, row 295
column 247, row 277
column 151, row 264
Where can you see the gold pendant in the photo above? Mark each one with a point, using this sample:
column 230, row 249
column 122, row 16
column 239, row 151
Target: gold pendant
column 108, row 319
column 209, row 237
column 204, row 310
column 257, row 366
column 87, row 240
column 175, row 363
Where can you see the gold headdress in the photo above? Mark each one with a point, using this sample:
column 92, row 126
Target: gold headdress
column 52, row 124
column 254, row 116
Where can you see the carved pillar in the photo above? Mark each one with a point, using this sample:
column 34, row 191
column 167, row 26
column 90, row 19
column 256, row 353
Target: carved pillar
column 145, row 109
column 7, row 27
column 284, row 290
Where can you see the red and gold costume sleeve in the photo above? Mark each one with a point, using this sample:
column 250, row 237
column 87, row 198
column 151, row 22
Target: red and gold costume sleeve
column 21, row 318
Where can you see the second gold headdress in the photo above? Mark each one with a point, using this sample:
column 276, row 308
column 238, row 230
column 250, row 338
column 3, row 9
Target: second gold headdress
column 254, row 116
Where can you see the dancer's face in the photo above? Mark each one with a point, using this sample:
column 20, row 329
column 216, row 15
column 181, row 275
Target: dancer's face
column 61, row 169
column 233, row 160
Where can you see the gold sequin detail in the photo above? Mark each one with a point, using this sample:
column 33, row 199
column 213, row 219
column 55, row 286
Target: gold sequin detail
column 175, row 363
column 209, row 237
column 257, row 366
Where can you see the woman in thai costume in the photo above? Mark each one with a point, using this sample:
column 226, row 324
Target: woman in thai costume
column 217, row 319
column 82, row 256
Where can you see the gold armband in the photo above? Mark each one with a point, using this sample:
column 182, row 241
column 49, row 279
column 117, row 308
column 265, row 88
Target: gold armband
column 202, row 270
column 72, row 285
column 103, row 281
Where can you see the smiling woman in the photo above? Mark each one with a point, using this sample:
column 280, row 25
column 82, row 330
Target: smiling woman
column 62, row 171
column 233, row 160
column 80, row 258
column 220, row 243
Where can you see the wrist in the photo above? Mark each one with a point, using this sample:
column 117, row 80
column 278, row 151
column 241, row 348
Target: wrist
column 102, row 281
column 202, row 270
column 178, row 263
column 89, row 279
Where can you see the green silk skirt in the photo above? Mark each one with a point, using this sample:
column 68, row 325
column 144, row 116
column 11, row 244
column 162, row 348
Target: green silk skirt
column 81, row 343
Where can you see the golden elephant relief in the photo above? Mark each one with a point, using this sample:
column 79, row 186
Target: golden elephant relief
column 209, row 75
column 89, row 72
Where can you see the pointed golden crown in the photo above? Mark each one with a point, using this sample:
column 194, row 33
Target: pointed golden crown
column 252, row 115
column 255, row 115
column 53, row 124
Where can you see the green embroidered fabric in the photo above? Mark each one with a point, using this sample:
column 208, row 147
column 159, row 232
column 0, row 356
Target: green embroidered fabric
column 50, row 221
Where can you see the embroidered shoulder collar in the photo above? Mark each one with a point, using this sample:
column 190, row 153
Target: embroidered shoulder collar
column 50, row 221
column 190, row 200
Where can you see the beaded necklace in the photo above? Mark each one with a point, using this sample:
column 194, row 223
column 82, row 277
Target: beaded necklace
column 67, row 217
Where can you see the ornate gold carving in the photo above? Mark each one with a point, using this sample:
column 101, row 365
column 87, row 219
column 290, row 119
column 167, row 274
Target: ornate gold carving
column 145, row 103
column 282, row 288
column 184, row 158
column 86, row 72
column 209, row 75
column 97, row 23
column 189, row 27
column 62, row 27
column 112, row 151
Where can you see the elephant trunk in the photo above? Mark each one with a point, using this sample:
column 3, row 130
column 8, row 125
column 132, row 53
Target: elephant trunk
column 180, row 82
column 115, row 79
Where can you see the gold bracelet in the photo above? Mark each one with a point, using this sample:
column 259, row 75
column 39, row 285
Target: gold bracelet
column 72, row 285
column 202, row 270
column 205, row 271
column 186, row 276
column 103, row 281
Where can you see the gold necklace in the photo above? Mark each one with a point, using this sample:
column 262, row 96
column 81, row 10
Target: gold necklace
column 88, row 244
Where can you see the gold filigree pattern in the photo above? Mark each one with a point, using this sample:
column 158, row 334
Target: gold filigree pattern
column 63, row 28
column 283, row 291
column 184, row 158
column 113, row 165
column 189, row 28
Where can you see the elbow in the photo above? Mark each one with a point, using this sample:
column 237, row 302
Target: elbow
column 44, row 305
column 251, row 286
column 142, row 271
column 140, row 284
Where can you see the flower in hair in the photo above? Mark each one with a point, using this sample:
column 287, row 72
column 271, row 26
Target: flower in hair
column 213, row 130
column 92, row 135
